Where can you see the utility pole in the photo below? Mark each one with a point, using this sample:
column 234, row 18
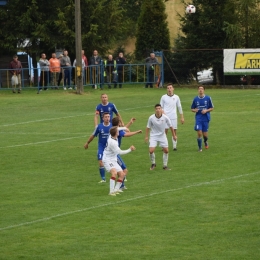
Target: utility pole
column 79, row 81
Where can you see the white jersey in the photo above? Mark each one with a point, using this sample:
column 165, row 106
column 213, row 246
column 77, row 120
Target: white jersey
column 170, row 104
column 112, row 150
column 158, row 125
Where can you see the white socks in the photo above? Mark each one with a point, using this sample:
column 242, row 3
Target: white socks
column 165, row 159
column 174, row 143
column 152, row 158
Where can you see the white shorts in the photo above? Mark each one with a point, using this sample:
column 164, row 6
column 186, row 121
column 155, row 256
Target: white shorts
column 161, row 140
column 174, row 123
column 112, row 165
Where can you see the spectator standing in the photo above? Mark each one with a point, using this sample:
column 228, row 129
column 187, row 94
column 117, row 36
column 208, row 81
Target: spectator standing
column 66, row 65
column 150, row 64
column 120, row 62
column 110, row 70
column 44, row 66
column 15, row 70
column 95, row 70
column 54, row 70
column 61, row 71
column 82, row 67
column 85, row 67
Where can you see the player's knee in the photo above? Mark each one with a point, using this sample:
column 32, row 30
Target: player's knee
column 100, row 163
column 113, row 173
column 165, row 150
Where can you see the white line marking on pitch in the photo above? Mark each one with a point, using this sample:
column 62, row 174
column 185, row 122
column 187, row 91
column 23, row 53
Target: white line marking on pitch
column 126, row 200
column 64, row 117
column 43, row 142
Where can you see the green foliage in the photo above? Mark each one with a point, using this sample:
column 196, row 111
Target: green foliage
column 52, row 207
column 46, row 25
column 215, row 26
column 152, row 33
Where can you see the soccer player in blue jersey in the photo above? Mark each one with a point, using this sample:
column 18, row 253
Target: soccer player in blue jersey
column 102, row 131
column 103, row 107
column 123, row 133
column 202, row 105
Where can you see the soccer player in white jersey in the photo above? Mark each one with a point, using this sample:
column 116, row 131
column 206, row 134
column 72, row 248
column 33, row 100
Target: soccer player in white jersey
column 170, row 102
column 157, row 123
column 110, row 160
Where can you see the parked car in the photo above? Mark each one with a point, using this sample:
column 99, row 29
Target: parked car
column 205, row 76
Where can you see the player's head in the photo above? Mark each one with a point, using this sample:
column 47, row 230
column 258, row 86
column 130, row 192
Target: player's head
column 115, row 121
column 201, row 90
column 158, row 109
column 104, row 99
column 106, row 117
column 170, row 88
column 113, row 131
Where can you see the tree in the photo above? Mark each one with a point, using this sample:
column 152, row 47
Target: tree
column 152, row 29
column 203, row 32
column 42, row 26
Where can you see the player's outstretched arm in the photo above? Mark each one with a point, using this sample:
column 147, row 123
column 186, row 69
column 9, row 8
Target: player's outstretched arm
column 130, row 122
column 128, row 134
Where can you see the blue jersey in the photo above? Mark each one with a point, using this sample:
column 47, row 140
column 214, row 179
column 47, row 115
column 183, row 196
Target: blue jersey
column 109, row 108
column 102, row 131
column 202, row 103
column 120, row 135
column 120, row 161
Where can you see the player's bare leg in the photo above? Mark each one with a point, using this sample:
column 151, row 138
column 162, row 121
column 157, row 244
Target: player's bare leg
column 102, row 171
column 205, row 138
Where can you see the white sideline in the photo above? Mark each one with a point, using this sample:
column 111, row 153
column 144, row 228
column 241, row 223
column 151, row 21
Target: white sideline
column 126, row 200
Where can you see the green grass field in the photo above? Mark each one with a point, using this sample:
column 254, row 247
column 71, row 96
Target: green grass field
column 52, row 206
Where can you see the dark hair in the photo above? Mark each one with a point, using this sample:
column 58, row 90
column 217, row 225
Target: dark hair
column 157, row 105
column 105, row 113
column 113, row 130
column 169, row 84
column 201, row 86
column 115, row 121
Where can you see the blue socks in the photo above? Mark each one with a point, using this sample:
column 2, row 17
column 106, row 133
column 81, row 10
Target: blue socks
column 199, row 142
column 102, row 173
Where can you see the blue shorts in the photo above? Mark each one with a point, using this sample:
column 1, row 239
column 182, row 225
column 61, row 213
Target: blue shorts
column 100, row 151
column 201, row 126
column 121, row 162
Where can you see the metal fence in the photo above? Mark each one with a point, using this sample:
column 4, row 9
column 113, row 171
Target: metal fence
column 93, row 76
